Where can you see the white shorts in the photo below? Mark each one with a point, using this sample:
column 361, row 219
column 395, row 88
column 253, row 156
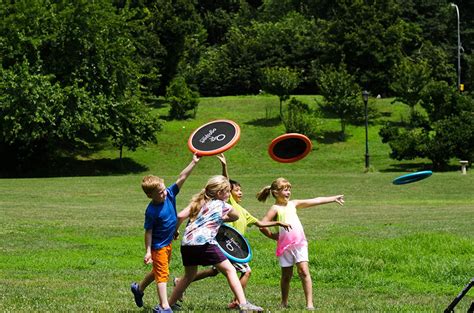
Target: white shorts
column 294, row 255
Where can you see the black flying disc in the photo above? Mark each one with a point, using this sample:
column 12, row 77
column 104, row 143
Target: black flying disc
column 289, row 148
column 214, row 137
column 234, row 246
column 412, row 177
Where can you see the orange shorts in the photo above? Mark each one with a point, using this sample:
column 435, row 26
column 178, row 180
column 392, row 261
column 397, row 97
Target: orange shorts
column 161, row 261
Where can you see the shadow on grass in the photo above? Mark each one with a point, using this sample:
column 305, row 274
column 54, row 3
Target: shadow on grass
column 265, row 122
column 72, row 167
column 415, row 167
column 157, row 103
column 329, row 137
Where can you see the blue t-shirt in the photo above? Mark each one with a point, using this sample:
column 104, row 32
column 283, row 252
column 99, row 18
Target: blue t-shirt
column 162, row 219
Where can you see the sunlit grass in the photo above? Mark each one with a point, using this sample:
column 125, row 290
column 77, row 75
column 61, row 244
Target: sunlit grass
column 76, row 243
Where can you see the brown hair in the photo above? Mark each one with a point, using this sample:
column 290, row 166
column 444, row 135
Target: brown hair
column 277, row 185
column 151, row 183
column 213, row 186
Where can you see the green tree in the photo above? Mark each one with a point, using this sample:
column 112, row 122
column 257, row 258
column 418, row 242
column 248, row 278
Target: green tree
column 65, row 65
column 293, row 41
column 39, row 117
column 443, row 131
column 173, row 23
column 410, row 77
column 280, row 81
column 341, row 95
column 131, row 124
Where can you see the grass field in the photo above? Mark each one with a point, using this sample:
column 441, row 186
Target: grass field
column 76, row 243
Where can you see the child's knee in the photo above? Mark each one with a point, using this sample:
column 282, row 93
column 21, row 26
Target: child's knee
column 228, row 270
column 304, row 273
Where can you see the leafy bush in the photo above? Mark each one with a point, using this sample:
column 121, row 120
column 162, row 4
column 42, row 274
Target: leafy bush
column 301, row 119
column 183, row 101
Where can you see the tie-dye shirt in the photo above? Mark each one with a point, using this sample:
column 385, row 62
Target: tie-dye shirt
column 206, row 225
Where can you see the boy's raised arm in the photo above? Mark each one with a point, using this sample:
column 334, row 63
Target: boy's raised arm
column 185, row 173
column 223, row 160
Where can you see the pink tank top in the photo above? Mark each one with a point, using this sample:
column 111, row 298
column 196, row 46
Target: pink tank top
column 293, row 238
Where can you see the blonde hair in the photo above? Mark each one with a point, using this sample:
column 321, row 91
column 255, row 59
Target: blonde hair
column 277, row 185
column 213, row 186
column 151, row 183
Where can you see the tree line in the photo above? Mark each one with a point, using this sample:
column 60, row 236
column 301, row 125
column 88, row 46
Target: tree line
column 76, row 74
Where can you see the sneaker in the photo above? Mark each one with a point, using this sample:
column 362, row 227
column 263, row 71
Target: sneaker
column 137, row 294
column 176, row 307
column 249, row 307
column 159, row 309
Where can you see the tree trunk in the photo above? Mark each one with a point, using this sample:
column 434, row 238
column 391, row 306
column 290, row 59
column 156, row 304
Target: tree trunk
column 281, row 109
column 343, row 130
column 120, row 158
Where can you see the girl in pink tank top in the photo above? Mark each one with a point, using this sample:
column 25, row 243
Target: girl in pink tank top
column 292, row 246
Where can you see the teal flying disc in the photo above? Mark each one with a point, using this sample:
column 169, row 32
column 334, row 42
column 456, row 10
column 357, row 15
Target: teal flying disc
column 233, row 244
column 412, row 177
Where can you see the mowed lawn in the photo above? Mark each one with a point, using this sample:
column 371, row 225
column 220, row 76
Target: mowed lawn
column 76, row 243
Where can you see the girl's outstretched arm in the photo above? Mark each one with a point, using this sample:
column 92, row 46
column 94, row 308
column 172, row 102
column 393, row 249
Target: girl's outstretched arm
column 263, row 224
column 231, row 216
column 183, row 215
column 319, row 200
column 269, row 217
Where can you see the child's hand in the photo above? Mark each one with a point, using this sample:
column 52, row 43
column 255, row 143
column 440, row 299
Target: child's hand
column 147, row 259
column 339, row 199
column 196, row 157
column 286, row 226
column 221, row 158
column 176, row 235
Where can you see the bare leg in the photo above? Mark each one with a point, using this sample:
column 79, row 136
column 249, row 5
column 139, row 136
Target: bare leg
column 147, row 280
column 162, row 295
column 305, row 276
column 286, row 275
column 183, row 283
column 244, row 278
column 208, row 272
column 226, row 268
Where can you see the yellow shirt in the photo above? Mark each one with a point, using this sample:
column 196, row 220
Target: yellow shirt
column 245, row 218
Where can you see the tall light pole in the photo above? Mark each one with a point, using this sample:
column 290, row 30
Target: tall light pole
column 365, row 97
column 459, row 48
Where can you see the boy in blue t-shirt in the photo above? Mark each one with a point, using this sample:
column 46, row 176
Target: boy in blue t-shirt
column 160, row 227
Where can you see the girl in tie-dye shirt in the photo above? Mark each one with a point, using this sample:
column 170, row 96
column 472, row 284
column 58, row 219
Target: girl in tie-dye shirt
column 292, row 246
column 206, row 213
